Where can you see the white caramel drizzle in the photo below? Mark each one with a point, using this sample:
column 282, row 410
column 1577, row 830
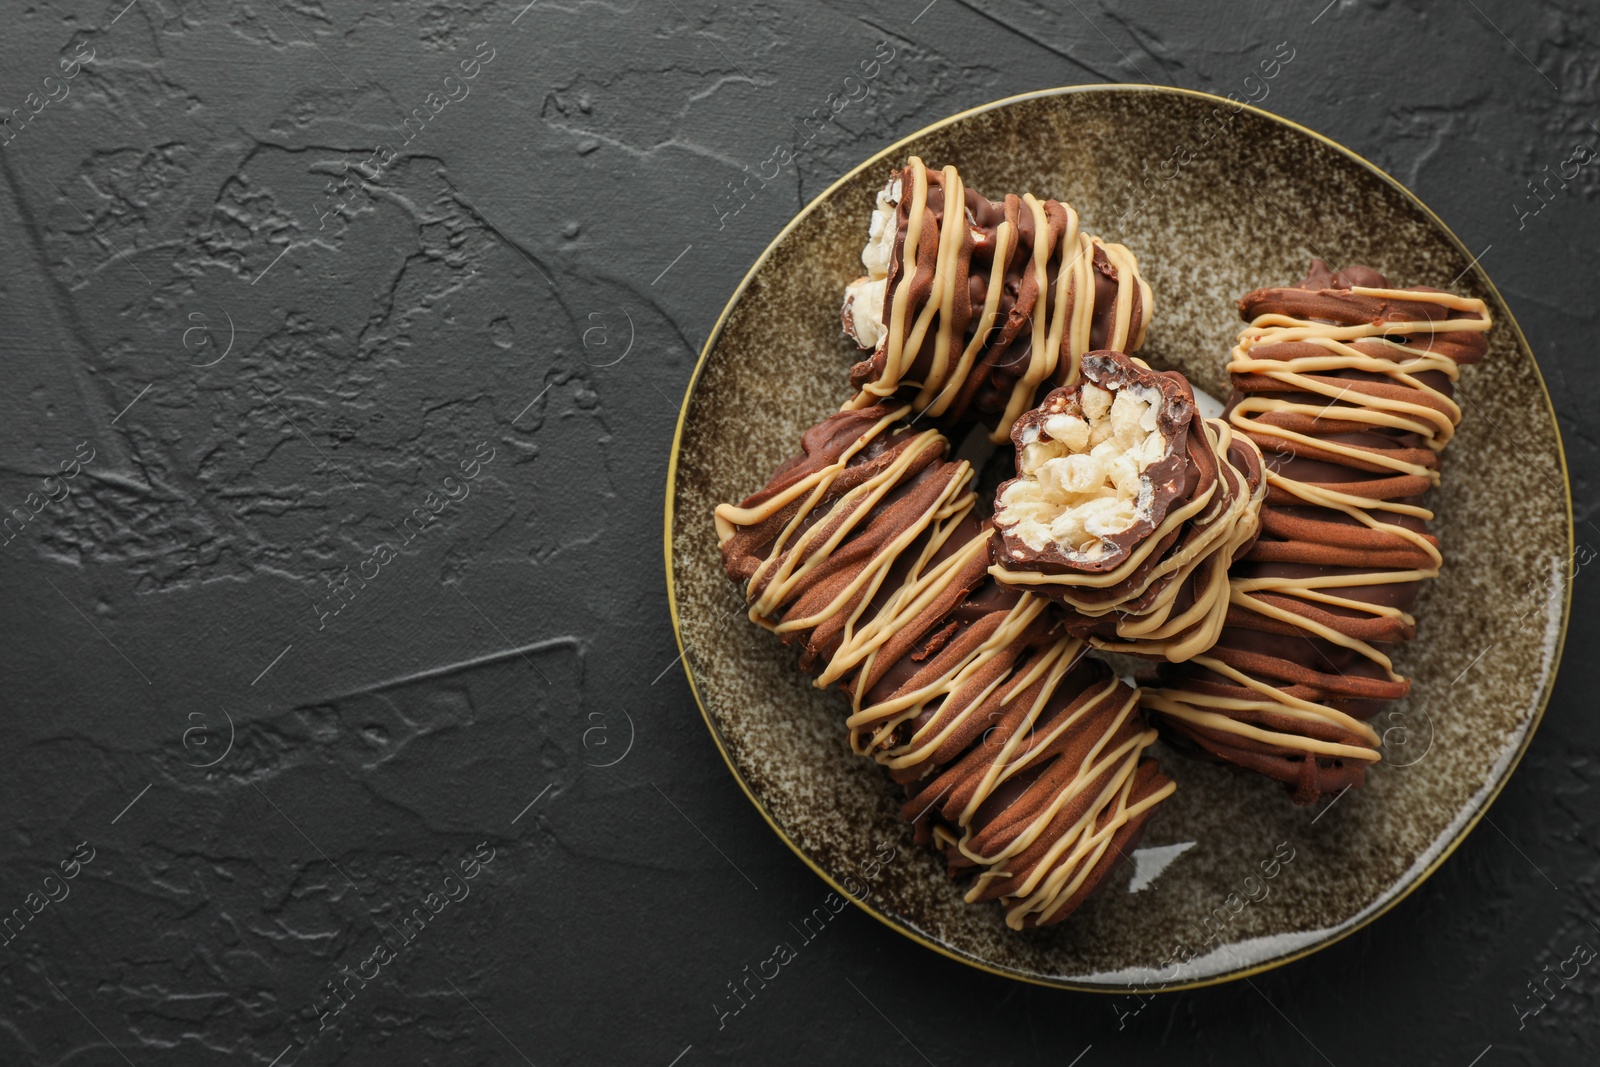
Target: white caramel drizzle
column 916, row 594
column 1058, row 877
column 1216, row 714
column 1005, row 243
column 1185, row 635
column 730, row 517
column 871, row 725
column 788, row 565
column 1075, row 853
column 1061, row 325
column 1433, row 416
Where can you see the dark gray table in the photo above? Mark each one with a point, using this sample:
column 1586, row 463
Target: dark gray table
column 358, row 581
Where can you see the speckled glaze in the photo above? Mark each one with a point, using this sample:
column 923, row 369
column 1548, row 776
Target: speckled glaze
column 1259, row 198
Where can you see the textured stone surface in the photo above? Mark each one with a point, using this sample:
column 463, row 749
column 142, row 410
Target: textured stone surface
column 483, row 285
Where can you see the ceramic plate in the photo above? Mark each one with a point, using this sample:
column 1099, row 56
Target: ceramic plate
column 1215, row 203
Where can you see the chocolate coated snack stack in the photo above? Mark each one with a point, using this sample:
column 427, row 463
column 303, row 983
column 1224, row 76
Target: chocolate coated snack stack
column 1052, row 791
column 815, row 548
column 1023, row 763
column 970, row 312
column 1128, row 508
column 1346, row 385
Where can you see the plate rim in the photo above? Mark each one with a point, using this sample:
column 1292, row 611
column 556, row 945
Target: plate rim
column 669, row 512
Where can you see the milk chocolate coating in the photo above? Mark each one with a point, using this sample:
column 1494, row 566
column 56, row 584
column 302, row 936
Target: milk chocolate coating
column 1344, row 507
column 941, row 664
column 993, row 385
